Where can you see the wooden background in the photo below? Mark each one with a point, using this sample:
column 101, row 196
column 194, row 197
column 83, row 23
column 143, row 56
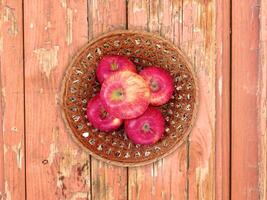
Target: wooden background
column 225, row 156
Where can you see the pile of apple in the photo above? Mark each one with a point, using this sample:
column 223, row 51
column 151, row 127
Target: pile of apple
column 129, row 97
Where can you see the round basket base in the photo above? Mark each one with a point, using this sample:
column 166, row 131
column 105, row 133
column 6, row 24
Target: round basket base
column 144, row 49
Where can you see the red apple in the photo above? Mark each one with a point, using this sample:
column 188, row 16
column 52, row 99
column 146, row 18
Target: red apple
column 99, row 117
column 146, row 129
column 160, row 83
column 110, row 64
column 125, row 95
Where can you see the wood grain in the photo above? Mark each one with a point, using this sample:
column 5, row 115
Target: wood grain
column 140, row 179
column 198, row 42
column 56, row 167
column 12, row 155
column 222, row 140
column 192, row 25
column 245, row 76
column 108, row 181
column 262, row 102
column 167, row 178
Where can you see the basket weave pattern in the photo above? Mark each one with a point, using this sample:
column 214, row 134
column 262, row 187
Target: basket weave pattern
column 80, row 85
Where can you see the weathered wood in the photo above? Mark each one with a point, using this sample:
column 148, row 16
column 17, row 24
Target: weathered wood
column 142, row 179
column 105, row 15
column 108, row 182
column 246, row 74
column 262, row 101
column 12, row 179
column 56, row 167
column 198, row 41
column 167, row 178
column 63, row 169
column 223, row 100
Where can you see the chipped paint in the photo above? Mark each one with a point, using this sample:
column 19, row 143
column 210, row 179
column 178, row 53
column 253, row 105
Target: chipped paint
column 5, row 148
column 220, row 86
column 19, row 154
column 9, row 16
column 59, row 181
column 180, row 16
column 3, row 102
column 154, row 171
column 138, row 8
column 3, row 92
column 14, row 129
column 69, row 21
column 57, row 99
column 100, row 165
column 69, row 164
column 79, row 195
column 7, row 192
column 48, row 59
column 156, row 166
column 48, row 26
column 52, row 153
column 31, row 25
column 63, row 3
column 69, row 26
column 53, row 148
column 70, row 160
column 41, row 90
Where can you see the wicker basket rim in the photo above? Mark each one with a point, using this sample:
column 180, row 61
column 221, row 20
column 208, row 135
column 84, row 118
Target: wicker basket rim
column 62, row 93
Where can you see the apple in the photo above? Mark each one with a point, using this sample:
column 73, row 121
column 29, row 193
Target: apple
column 125, row 95
column 160, row 83
column 147, row 128
column 99, row 117
column 113, row 63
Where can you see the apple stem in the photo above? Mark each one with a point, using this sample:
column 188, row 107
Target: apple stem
column 154, row 85
column 146, row 127
column 114, row 66
column 103, row 113
column 117, row 94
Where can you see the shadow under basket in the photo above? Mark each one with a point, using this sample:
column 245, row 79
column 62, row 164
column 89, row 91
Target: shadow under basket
column 80, row 85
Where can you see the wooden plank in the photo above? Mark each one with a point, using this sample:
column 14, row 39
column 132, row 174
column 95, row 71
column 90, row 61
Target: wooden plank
column 262, row 99
column 199, row 27
column 56, row 167
column 141, row 183
column 165, row 179
column 198, row 41
column 140, row 179
column 12, row 168
column 245, row 76
column 108, row 182
column 223, row 100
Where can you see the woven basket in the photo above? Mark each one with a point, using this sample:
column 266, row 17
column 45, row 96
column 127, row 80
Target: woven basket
column 144, row 49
